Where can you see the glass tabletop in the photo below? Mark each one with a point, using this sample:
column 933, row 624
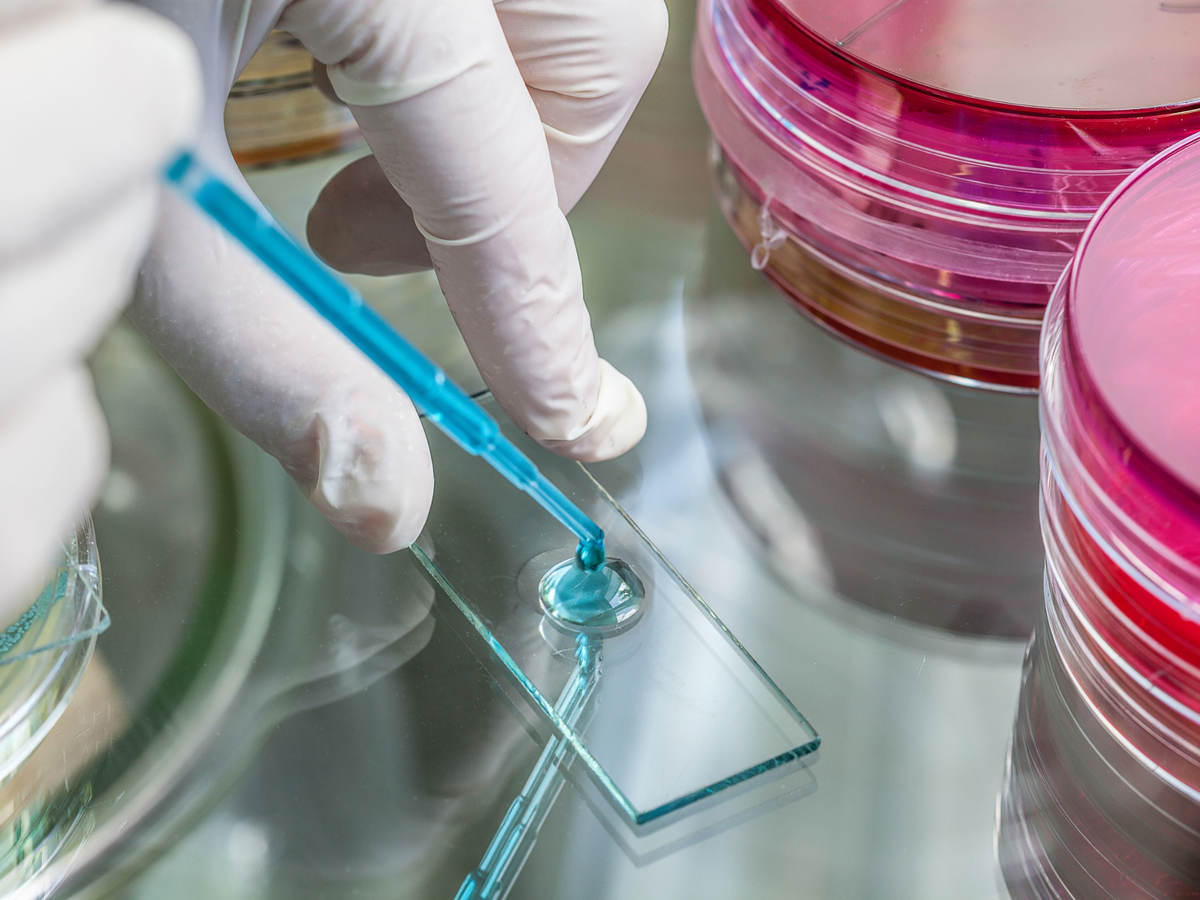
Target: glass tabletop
column 868, row 534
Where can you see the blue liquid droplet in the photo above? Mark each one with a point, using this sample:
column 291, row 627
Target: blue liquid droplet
column 605, row 599
column 590, row 554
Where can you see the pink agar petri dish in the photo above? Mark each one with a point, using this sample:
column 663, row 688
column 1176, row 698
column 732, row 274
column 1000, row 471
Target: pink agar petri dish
column 915, row 175
column 1105, row 767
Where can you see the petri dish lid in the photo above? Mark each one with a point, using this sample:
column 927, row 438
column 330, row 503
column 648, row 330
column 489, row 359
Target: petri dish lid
column 1100, row 55
column 1130, row 385
column 1133, row 315
column 892, row 99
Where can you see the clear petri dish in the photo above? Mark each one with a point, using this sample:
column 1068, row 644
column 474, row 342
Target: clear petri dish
column 44, row 652
column 1106, row 756
column 44, row 660
column 907, row 191
column 193, row 522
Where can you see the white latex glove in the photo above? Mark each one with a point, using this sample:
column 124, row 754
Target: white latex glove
column 96, row 97
column 488, row 120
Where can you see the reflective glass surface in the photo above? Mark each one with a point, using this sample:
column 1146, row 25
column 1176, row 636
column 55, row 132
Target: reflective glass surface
column 869, row 535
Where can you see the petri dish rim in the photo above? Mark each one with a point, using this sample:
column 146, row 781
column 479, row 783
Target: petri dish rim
column 791, row 24
column 54, row 651
column 1144, row 461
column 1122, row 540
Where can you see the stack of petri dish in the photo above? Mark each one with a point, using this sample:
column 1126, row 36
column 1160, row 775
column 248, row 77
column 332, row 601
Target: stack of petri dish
column 1103, row 790
column 916, row 174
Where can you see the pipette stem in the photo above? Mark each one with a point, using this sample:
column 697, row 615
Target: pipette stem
column 442, row 401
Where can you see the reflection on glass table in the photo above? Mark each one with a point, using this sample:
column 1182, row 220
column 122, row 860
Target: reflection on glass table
column 228, row 615
column 900, row 493
column 514, row 839
column 393, row 791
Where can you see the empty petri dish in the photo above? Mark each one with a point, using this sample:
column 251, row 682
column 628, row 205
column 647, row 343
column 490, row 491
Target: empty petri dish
column 910, row 193
column 45, row 661
column 44, row 652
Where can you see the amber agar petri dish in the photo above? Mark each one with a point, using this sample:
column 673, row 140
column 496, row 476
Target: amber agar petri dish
column 275, row 114
column 1105, row 769
column 911, row 192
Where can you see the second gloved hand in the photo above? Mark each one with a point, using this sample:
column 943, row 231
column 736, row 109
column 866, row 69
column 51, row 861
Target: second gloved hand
column 102, row 95
column 486, row 121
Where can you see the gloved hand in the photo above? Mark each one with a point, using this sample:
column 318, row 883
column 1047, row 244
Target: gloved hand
column 486, row 121
column 96, row 97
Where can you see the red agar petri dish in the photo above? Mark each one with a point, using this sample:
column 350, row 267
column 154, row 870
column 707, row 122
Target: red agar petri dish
column 916, row 175
column 1106, row 752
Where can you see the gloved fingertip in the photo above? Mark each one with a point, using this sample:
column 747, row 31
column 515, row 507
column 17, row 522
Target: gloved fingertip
column 396, row 525
column 388, row 519
column 617, row 422
column 365, row 466
column 381, row 533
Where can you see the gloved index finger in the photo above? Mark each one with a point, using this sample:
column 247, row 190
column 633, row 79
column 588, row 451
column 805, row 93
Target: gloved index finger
column 442, row 104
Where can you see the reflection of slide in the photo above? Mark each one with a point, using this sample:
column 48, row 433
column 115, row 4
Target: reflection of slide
column 514, row 840
column 399, row 774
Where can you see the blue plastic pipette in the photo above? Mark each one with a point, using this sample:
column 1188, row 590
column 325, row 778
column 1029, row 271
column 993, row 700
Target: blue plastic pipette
column 442, row 401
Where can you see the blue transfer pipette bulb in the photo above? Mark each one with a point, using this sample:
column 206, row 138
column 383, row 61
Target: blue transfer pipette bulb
column 440, row 399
